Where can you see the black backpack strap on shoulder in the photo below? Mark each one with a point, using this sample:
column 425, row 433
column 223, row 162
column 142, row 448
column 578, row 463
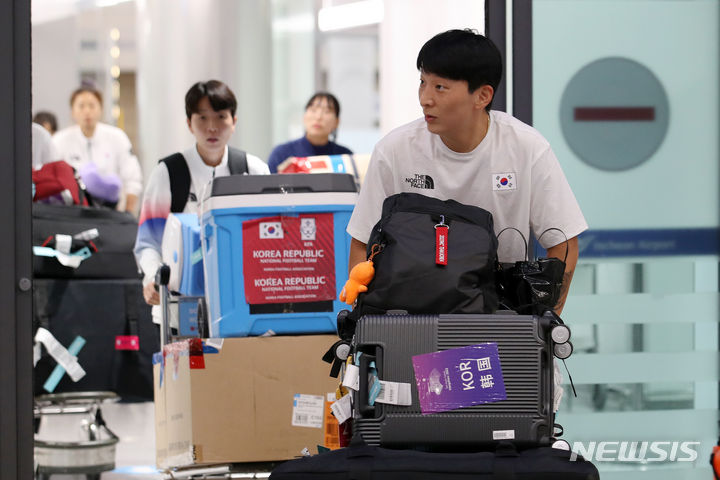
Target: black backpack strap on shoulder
column 237, row 161
column 179, row 181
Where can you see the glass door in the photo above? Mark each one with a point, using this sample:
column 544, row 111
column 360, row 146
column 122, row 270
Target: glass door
column 626, row 92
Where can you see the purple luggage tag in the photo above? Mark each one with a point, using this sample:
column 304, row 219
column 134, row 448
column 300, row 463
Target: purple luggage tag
column 459, row 377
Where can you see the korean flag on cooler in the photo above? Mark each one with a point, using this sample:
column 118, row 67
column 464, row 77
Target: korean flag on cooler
column 271, row 230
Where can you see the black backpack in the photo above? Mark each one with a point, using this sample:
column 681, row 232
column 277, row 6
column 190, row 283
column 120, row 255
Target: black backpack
column 408, row 274
column 180, row 175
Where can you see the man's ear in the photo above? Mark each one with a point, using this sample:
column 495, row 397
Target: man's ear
column 189, row 125
column 483, row 96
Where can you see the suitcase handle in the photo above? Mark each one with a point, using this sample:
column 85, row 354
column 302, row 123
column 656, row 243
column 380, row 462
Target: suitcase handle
column 162, row 278
column 365, row 409
column 370, row 353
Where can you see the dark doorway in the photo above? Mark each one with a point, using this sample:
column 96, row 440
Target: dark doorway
column 16, row 431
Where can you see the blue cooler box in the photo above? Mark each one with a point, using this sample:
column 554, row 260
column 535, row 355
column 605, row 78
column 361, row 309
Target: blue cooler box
column 275, row 252
column 181, row 251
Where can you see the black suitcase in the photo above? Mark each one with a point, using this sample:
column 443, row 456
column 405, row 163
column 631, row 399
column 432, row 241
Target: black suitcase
column 114, row 256
column 525, row 352
column 373, row 463
column 98, row 311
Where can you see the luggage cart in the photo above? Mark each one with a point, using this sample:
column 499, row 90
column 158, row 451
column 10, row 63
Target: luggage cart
column 201, row 472
column 222, row 472
column 93, row 454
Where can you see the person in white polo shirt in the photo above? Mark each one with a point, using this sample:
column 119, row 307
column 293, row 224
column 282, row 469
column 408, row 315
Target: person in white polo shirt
column 101, row 149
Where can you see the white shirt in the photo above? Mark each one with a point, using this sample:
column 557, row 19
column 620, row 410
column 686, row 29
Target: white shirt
column 109, row 148
column 534, row 195
column 157, row 201
column 43, row 149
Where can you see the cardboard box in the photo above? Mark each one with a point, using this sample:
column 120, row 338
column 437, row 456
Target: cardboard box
column 250, row 399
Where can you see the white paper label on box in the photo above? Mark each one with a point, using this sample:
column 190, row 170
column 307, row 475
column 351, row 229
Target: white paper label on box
column 394, row 393
column 214, row 342
column 308, row 410
column 342, row 409
column 503, row 434
column 352, row 377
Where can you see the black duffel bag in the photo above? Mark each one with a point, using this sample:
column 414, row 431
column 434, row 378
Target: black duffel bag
column 415, row 272
column 111, row 253
column 102, row 312
column 373, row 463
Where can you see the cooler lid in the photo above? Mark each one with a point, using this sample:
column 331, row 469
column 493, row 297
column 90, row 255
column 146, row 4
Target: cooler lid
column 283, row 183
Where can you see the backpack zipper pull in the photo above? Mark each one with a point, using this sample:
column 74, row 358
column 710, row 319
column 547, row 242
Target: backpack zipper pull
column 441, row 241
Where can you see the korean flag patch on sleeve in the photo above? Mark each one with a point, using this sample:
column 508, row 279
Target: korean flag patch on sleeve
column 504, row 181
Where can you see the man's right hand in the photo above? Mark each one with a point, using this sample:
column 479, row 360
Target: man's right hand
column 152, row 297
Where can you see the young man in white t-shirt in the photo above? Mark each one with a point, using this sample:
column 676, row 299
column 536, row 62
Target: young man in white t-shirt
column 462, row 150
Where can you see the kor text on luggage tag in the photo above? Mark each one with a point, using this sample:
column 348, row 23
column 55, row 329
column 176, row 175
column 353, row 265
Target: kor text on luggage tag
column 459, row 377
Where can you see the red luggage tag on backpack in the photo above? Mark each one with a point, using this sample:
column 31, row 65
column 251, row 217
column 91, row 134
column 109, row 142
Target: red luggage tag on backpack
column 127, row 342
column 441, row 242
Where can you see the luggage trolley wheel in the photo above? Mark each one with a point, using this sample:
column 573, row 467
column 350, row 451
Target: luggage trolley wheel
column 560, row 333
column 561, row 445
column 563, row 350
column 90, row 457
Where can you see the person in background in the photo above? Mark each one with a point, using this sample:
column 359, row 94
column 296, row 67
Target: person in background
column 43, row 150
column 321, row 119
column 47, row 120
column 210, row 108
column 100, row 150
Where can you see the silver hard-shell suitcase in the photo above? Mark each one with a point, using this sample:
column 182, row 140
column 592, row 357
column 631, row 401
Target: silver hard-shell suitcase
column 526, row 355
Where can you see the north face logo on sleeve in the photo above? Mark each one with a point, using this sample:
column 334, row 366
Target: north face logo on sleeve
column 421, row 181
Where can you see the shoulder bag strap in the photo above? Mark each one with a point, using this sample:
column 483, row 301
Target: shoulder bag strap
column 179, row 181
column 237, row 161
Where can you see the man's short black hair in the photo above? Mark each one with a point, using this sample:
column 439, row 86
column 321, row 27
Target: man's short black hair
column 462, row 55
column 219, row 95
column 331, row 100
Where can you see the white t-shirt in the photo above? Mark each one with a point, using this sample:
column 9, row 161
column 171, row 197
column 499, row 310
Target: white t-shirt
column 512, row 173
column 43, row 150
column 109, row 148
column 157, row 201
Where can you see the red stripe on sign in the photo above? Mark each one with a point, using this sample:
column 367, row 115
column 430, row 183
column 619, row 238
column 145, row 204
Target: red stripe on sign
column 614, row 114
